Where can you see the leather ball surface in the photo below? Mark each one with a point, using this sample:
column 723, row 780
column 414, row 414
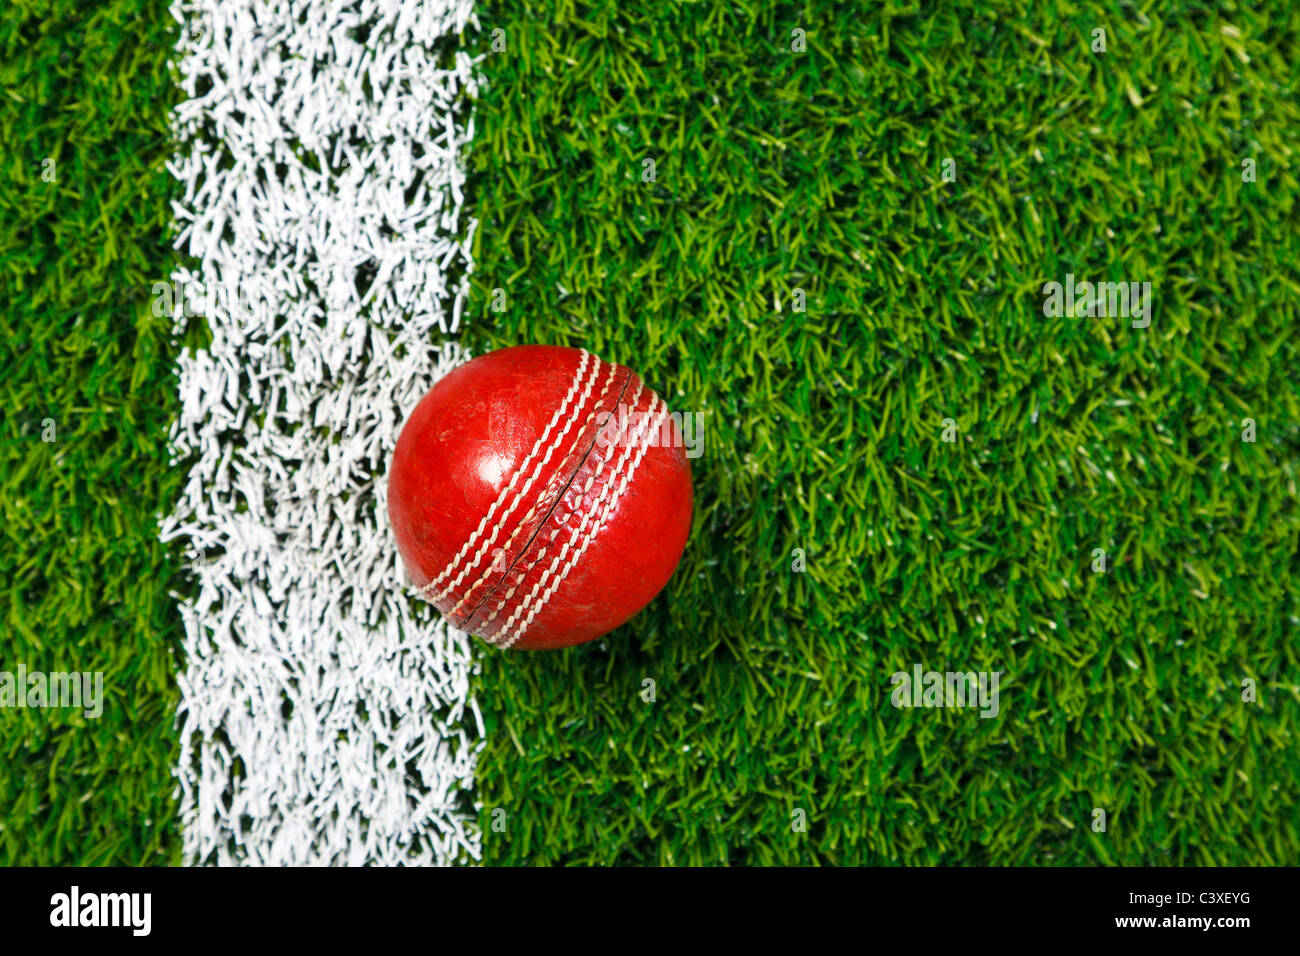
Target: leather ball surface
column 540, row 497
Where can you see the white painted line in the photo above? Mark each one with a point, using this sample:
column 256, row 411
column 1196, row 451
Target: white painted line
column 325, row 716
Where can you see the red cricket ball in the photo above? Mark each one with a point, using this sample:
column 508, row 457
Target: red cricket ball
column 539, row 496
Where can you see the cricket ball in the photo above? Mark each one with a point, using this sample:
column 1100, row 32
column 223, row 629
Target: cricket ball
column 539, row 496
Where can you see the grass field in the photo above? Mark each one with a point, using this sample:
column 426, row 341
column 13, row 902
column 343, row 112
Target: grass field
column 777, row 174
column 85, row 581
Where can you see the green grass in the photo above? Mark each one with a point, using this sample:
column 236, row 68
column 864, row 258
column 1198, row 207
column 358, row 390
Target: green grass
column 775, row 171
column 822, row 171
column 83, row 580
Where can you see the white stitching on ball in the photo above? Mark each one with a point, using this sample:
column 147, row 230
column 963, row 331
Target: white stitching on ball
column 496, row 529
column 591, row 480
column 450, row 589
column 643, row 445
